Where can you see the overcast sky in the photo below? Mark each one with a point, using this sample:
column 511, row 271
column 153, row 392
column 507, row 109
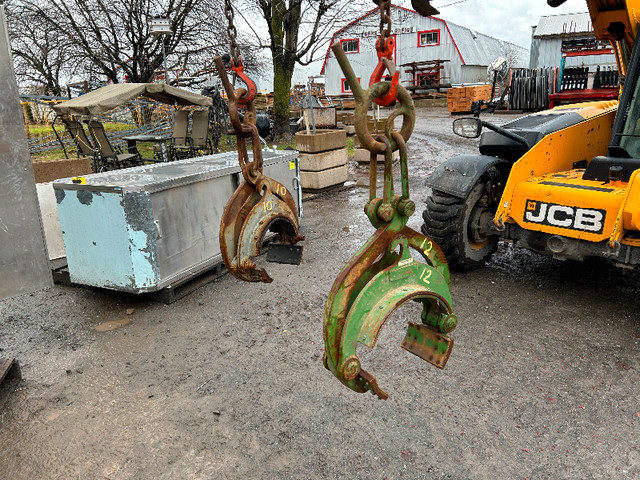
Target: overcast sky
column 509, row 20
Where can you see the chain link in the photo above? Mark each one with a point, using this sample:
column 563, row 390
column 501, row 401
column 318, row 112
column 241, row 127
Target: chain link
column 385, row 20
column 232, row 32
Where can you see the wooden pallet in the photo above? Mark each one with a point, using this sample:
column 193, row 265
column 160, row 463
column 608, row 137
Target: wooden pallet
column 460, row 99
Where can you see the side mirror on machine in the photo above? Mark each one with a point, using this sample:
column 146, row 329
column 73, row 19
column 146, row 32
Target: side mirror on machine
column 468, row 127
column 471, row 127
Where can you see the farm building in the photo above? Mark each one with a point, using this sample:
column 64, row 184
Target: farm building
column 458, row 54
column 568, row 41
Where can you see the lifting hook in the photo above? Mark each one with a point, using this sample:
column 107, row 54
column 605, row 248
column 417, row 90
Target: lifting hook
column 250, row 94
column 385, row 52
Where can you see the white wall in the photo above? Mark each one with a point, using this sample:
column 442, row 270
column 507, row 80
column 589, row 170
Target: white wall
column 550, row 55
column 473, row 74
column 407, row 49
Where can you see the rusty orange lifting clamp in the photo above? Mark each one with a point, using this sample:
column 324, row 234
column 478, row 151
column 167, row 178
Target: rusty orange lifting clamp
column 260, row 203
column 384, row 274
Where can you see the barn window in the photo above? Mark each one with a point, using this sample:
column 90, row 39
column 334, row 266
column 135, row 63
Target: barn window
column 350, row 45
column 346, row 88
column 427, row 79
column 428, row 38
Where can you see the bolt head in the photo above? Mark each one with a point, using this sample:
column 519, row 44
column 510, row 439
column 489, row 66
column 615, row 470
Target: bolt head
column 351, row 368
column 408, row 208
column 385, row 212
column 450, row 323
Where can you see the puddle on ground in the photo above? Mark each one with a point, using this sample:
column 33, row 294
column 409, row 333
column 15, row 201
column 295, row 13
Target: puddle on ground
column 112, row 325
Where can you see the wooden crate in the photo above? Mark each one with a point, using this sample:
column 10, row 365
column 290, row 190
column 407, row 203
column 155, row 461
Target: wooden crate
column 460, row 99
column 263, row 101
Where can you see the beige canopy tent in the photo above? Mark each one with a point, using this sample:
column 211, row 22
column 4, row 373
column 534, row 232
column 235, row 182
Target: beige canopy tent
column 107, row 98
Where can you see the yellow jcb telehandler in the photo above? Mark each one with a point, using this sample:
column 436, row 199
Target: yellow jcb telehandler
column 565, row 181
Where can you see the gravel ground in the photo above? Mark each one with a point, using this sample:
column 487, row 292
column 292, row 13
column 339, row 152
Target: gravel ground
column 228, row 382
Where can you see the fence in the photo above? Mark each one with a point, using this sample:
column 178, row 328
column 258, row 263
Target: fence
column 141, row 116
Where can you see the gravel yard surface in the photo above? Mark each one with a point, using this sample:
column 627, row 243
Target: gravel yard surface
column 228, row 382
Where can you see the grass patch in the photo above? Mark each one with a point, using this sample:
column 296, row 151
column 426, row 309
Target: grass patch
column 52, row 155
column 36, row 131
column 284, row 144
column 46, row 130
column 145, row 149
column 351, row 146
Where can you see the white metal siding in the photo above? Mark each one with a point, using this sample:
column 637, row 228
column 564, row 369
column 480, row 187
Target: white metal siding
column 473, row 74
column 549, row 52
column 550, row 55
column 534, row 50
column 407, row 24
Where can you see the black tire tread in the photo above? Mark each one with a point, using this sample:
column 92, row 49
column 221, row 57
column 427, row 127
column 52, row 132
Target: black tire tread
column 442, row 219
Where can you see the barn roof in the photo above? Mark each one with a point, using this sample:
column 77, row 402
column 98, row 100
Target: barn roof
column 480, row 49
column 564, row 25
column 474, row 48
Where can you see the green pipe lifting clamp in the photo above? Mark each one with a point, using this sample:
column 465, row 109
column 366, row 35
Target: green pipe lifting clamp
column 384, row 274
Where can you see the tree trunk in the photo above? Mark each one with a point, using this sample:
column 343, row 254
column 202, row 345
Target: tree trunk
column 282, row 74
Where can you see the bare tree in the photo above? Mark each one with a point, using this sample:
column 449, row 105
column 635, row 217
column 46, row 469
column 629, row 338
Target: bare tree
column 297, row 33
column 40, row 54
column 112, row 39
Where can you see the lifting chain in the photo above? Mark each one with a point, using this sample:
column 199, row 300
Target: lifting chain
column 259, row 203
column 232, row 32
column 385, row 19
column 385, row 47
column 384, row 274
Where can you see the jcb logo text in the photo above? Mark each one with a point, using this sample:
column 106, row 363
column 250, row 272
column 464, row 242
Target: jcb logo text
column 583, row 219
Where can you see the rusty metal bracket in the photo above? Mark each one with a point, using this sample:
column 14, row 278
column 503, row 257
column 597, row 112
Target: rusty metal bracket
column 384, row 274
column 259, row 204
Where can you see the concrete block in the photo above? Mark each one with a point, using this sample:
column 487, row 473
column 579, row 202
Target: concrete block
column 345, row 117
column 316, row 162
column 47, row 171
column 350, row 129
column 362, row 156
column 324, row 179
column 321, row 141
column 324, row 117
column 371, row 124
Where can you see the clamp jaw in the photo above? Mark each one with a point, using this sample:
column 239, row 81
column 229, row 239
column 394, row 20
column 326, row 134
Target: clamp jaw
column 259, row 204
column 384, row 274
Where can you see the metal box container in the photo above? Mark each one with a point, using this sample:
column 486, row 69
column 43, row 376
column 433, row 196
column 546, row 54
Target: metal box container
column 145, row 228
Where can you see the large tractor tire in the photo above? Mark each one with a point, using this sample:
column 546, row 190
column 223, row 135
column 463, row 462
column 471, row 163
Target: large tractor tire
column 453, row 223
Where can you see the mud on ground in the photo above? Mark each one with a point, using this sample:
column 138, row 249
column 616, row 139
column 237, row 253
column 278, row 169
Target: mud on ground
column 543, row 381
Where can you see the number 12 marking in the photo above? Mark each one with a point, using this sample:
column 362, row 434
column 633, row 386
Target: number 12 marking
column 426, row 275
column 429, row 247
